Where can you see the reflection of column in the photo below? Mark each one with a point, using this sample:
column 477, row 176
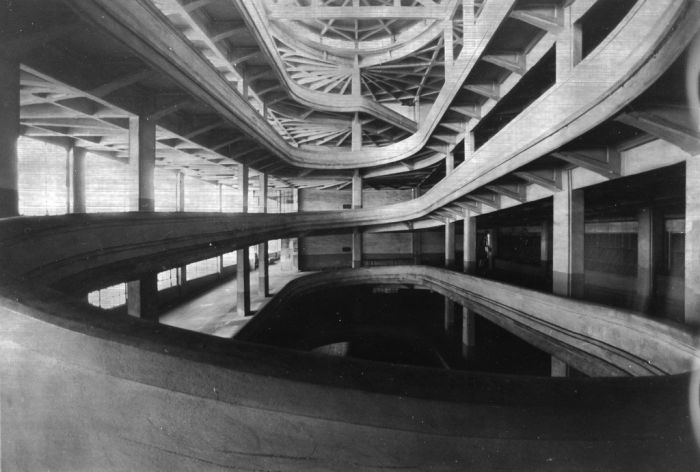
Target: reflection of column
column 559, row 368
column 263, row 263
column 545, row 246
column 142, row 297
column 9, row 133
column 692, row 240
column 649, row 248
column 79, row 179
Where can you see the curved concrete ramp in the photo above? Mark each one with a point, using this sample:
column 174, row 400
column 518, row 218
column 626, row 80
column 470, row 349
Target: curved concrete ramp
column 87, row 391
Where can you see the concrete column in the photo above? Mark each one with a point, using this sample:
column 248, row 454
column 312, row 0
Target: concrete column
column 416, row 239
column 356, row 233
column 79, row 179
column 449, row 224
column 692, row 240
column 263, row 264
column 9, row 133
column 243, row 186
column 142, row 161
column 569, row 46
column 242, row 282
column 469, row 243
column 356, row 85
column 449, row 244
column 559, row 368
column 448, row 48
column 356, row 133
column 468, row 316
column 469, row 145
column 142, row 297
column 650, row 237
column 242, row 260
column 567, row 240
column 180, row 191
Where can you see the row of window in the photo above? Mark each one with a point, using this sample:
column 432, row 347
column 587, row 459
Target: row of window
column 116, row 295
column 45, row 181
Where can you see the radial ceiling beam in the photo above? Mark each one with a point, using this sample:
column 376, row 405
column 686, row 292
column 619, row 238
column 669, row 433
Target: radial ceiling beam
column 277, row 12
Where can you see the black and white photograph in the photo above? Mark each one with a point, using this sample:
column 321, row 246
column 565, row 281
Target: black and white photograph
column 349, row 235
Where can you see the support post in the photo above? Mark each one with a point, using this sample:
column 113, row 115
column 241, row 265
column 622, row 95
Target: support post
column 263, row 264
column 569, row 45
column 243, row 186
column 242, row 255
column 142, row 297
column 692, row 240
column 79, row 179
column 469, row 243
column 356, row 132
column 649, row 249
column 356, row 233
column 242, row 282
column 416, row 240
column 568, row 237
column 9, row 133
column 180, row 191
column 142, row 162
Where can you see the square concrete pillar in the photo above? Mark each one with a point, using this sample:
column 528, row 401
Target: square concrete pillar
column 142, row 162
column 242, row 282
column 449, row 244
column 78, row 155
column 9, row 133
column 650, row 240
column 180, row 191
column 263, row 263
column 567, row 240
column 357, row 233
column 692, row 240
column 142, row 297
column 469, row 243
column 243, row 186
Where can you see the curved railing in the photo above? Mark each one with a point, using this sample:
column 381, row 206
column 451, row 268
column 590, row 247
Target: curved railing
column 123, row 394
column 659, row 29
column 594, row 339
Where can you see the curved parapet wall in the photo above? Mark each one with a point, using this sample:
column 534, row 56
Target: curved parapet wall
column 598, row 87
column 82, row 390
column 594, row 339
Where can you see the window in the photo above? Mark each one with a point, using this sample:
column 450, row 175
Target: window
column 108, row 297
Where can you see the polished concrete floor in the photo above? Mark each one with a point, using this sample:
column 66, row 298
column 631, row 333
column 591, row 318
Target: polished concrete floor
column 214, row 312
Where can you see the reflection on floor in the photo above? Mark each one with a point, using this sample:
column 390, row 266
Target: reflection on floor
column 214, row 312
